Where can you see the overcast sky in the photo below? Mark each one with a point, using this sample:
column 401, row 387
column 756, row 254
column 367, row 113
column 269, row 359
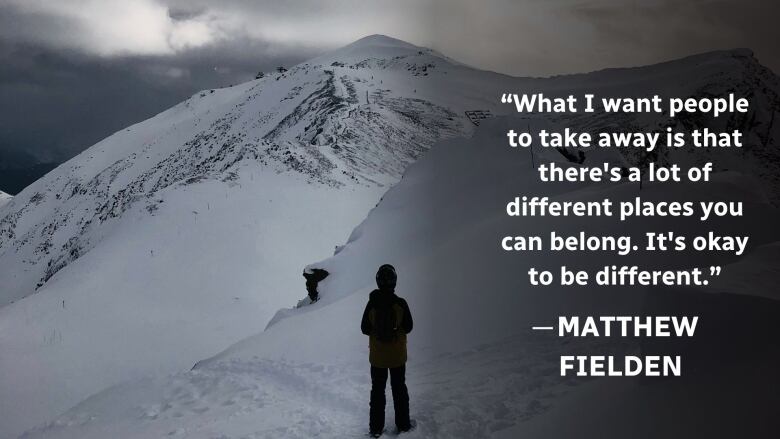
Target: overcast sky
column 74, row 71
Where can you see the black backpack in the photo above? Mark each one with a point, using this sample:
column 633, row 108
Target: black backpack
column 385, row 321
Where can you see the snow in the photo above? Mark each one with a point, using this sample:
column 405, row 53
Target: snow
column 475, row 369
column 177, row 236
column 107, row 319
column 174, row 238
column 4, row 198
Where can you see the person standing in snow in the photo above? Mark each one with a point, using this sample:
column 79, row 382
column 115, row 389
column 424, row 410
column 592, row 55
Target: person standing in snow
column 386, row 321
column 313, row 277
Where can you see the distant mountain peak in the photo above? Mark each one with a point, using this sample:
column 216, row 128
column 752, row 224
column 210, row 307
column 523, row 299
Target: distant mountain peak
column 373, row 46
column 380, row 40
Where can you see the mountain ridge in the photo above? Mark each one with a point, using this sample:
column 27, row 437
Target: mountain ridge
column 177, row 236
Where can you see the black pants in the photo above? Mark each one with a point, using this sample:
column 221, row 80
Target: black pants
column 400, row 398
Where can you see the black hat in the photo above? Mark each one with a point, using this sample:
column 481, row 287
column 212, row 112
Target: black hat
column 386, row 277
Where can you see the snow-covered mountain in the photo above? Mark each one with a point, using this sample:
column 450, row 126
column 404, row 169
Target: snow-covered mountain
column 172, row 239
column 328, row 122
column 4, row 198
column 475, row 368
column 177, row 236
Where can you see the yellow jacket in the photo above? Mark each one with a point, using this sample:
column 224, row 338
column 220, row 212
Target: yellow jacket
column 386, row 350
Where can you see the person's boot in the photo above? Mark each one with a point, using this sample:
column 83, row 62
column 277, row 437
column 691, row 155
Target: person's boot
column 409, row 427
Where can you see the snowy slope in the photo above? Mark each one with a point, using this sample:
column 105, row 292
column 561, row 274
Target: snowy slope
column 169, row 240
column 312, row 122
column 4, row 198
column 475, row 369
column 179, row 235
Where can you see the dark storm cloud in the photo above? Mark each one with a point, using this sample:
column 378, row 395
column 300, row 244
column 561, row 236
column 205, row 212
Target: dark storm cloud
column 72, row 72
column 185, row 12
column 525, row 37
column 54, row 103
